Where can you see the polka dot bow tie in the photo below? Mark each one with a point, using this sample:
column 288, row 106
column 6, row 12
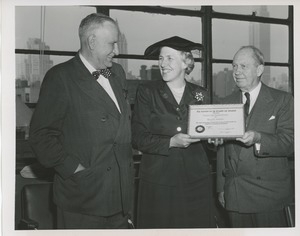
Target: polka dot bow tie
column 104, row 72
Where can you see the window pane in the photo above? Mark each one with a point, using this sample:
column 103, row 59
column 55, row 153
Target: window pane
column 28, row 24
column 275, row 77
column 279, row 78
column 57, row 26
column 223, row 83
column 265, row 11
column 30, row 72
column 140, row 29
column 271, row 39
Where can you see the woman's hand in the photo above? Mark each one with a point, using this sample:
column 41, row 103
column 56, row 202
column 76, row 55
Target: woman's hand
column 182, row 140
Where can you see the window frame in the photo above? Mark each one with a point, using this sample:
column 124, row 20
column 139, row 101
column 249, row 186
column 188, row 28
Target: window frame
column 206, row 14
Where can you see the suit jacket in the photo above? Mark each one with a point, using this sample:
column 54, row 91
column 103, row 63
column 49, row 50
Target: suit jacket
column 259, row 181
column 76, row 121
column 157, row 117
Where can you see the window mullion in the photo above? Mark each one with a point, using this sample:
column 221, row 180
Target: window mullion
column 207, row 49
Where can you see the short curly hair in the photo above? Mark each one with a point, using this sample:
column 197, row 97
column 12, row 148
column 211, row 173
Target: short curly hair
column 189, row 61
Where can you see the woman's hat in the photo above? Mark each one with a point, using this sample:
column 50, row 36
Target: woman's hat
column 175, row 42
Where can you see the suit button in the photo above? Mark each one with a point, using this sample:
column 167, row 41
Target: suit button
column 108, row 168
column 177, row 109
column 178, row 129
column 103, row 119
column 178, row 118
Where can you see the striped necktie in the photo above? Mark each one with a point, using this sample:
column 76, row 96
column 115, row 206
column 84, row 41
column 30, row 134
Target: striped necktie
column 247, row 104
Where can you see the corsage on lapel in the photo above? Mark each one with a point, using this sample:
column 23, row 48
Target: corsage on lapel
column 198, row 96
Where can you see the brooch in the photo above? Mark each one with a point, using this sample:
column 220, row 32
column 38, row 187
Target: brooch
column 199, row 96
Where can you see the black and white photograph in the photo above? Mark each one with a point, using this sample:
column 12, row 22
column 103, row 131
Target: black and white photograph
column 149, row 117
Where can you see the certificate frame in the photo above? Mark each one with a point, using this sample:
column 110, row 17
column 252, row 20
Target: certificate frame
column 225, row 121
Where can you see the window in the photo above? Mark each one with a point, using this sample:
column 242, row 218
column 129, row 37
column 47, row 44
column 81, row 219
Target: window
column 266, row 37
column 267, row 28
column 265, row 11
column 41, row 28
column 55, row 26
column 140, row 29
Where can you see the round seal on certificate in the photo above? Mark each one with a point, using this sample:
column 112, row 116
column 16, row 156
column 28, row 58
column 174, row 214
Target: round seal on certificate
column 200, row 129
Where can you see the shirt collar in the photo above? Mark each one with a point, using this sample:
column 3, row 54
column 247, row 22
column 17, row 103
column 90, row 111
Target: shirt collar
column 254, row 93
column 87, row 64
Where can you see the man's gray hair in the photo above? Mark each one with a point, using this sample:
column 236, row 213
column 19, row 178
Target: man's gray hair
column 91, row 22
column 257, row 55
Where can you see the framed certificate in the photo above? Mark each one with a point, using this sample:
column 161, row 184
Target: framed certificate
column 216, row 121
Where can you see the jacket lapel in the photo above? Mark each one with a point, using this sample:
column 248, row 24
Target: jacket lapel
column 118, row 91
column 93, row 89
column 188, row 96
column 166, row 93
column 236, row 98
column 260, row 108
column 260, row 111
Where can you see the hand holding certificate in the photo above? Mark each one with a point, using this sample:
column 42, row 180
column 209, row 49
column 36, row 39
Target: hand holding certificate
column 216, row 121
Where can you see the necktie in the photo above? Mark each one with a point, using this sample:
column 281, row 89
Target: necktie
column 105, row 72
column 247, row 104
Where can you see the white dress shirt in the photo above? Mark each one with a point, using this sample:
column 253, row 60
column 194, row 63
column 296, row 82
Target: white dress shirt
column 104, row 82
column 253, row 96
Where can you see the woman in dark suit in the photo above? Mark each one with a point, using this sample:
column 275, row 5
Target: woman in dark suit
column 175, row 188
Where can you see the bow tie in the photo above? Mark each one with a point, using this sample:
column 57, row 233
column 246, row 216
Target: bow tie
column 104, row 72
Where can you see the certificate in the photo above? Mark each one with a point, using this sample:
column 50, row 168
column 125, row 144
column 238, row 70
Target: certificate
column 216, row 121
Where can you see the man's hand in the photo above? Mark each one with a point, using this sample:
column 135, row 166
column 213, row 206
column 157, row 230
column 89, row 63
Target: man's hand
column 250, row 137
column 221, row 199
column 182, row 140
column 215, row 141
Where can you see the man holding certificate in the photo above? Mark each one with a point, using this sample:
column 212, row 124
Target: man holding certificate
column 254, row 179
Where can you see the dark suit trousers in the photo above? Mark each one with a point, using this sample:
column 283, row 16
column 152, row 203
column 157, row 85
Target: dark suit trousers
column 265, row 219
column 71, row 220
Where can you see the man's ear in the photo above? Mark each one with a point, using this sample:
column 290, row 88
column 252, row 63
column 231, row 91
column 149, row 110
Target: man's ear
column 260, row 70
column 91, row 41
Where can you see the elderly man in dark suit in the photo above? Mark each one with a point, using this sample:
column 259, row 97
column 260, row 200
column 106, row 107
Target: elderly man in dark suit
column 254, row 179
column 81, row 128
